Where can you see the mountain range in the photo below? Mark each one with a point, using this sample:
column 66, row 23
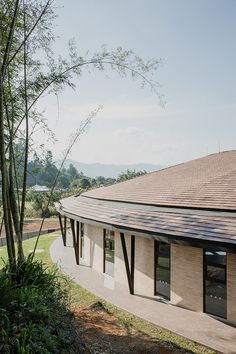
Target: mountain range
column 109, row 170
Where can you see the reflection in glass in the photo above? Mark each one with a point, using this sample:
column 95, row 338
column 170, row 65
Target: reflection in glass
column 215, row 283
column 82, row 240
column 109, row 252
column 162, row 260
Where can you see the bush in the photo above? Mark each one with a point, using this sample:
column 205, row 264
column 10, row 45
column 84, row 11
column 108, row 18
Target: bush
column 34, row 311
column 38, row 203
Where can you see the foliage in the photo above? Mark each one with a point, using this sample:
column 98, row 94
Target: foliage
column 34, row 315
column 43, row 171
column 129, row 174
column 28, row 70
column 39, row 202
column 83, row 183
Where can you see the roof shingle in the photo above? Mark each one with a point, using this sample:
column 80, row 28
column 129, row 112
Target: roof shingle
column 205, row 183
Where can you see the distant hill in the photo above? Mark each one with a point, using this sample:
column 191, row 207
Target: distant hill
column 107, row 170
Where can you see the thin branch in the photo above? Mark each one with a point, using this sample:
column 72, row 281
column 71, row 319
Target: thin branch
column 9, row 43
column 31, row 31
column 149, row 82
column 76, row 136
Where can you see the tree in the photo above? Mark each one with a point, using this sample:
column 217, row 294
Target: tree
column 64, row 179
column 81, row 183
column 129, row 174
column 40, row 202
column 72, row 172
column 34, row 168
column 100, row 180
column 28, row 70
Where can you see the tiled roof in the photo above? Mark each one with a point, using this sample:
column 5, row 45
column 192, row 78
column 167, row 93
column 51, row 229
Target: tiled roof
column 206, row 227
column 205, row 183
column 152, row 203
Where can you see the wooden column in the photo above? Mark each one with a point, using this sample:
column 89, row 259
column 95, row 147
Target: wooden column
column 62, row 229
column 129, row 268
column 65, row 230
column 75, row 240
column 77, row 237
column 132, row 261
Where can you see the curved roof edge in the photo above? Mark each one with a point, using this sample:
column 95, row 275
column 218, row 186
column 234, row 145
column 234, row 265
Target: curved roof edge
column 203, row 227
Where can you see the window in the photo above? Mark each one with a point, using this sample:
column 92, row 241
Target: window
column 162, row 269
column 215, row 299
column 81, row 240
column 109, row 252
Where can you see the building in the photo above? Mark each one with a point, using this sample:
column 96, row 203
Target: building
column 40, row 189
column 168, row 234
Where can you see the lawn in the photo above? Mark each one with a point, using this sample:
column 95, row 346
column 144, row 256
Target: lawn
column 81, row 298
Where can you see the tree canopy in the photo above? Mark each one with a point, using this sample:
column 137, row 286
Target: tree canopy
column 129, row 174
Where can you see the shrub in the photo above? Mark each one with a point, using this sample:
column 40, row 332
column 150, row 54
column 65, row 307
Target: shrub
column 34, row 310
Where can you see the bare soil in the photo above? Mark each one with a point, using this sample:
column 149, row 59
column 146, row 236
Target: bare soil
column 100, row 332
column 34, row 225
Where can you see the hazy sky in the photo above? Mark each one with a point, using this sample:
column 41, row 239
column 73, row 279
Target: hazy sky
column 197, row 41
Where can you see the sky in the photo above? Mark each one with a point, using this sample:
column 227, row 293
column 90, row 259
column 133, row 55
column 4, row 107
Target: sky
column 196, row 41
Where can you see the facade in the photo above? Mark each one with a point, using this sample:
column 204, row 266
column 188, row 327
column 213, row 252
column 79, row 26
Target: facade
column 170, row 234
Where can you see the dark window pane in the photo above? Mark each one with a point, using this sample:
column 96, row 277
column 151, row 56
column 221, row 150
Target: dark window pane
column 109, row 256
column 109, row 252
column 163, row 289
column 218, row 258
column 82, row 248
column 215, row 273
column 162, row 283
column 215, row 283
column 82, row 240
column 216, row 290
column 109, row 245
column 164, row 250
column 215, row 299
column 163, row 275
column 164, row 262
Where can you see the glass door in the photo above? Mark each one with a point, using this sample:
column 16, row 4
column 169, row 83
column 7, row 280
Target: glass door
column 109, row 252
column 162, row 269
column 215, row 283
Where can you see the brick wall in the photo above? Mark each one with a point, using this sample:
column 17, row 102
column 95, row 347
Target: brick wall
column 186, row 269
column 144, row 266
column 187, row 277
column 94, row 234
column 120, row 271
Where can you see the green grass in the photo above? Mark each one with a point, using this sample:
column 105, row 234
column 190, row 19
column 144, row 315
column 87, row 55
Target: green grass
column 83, row 298
column 43, row 249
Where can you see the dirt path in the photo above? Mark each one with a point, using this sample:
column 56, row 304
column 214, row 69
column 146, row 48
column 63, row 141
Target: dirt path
column 101, row 333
